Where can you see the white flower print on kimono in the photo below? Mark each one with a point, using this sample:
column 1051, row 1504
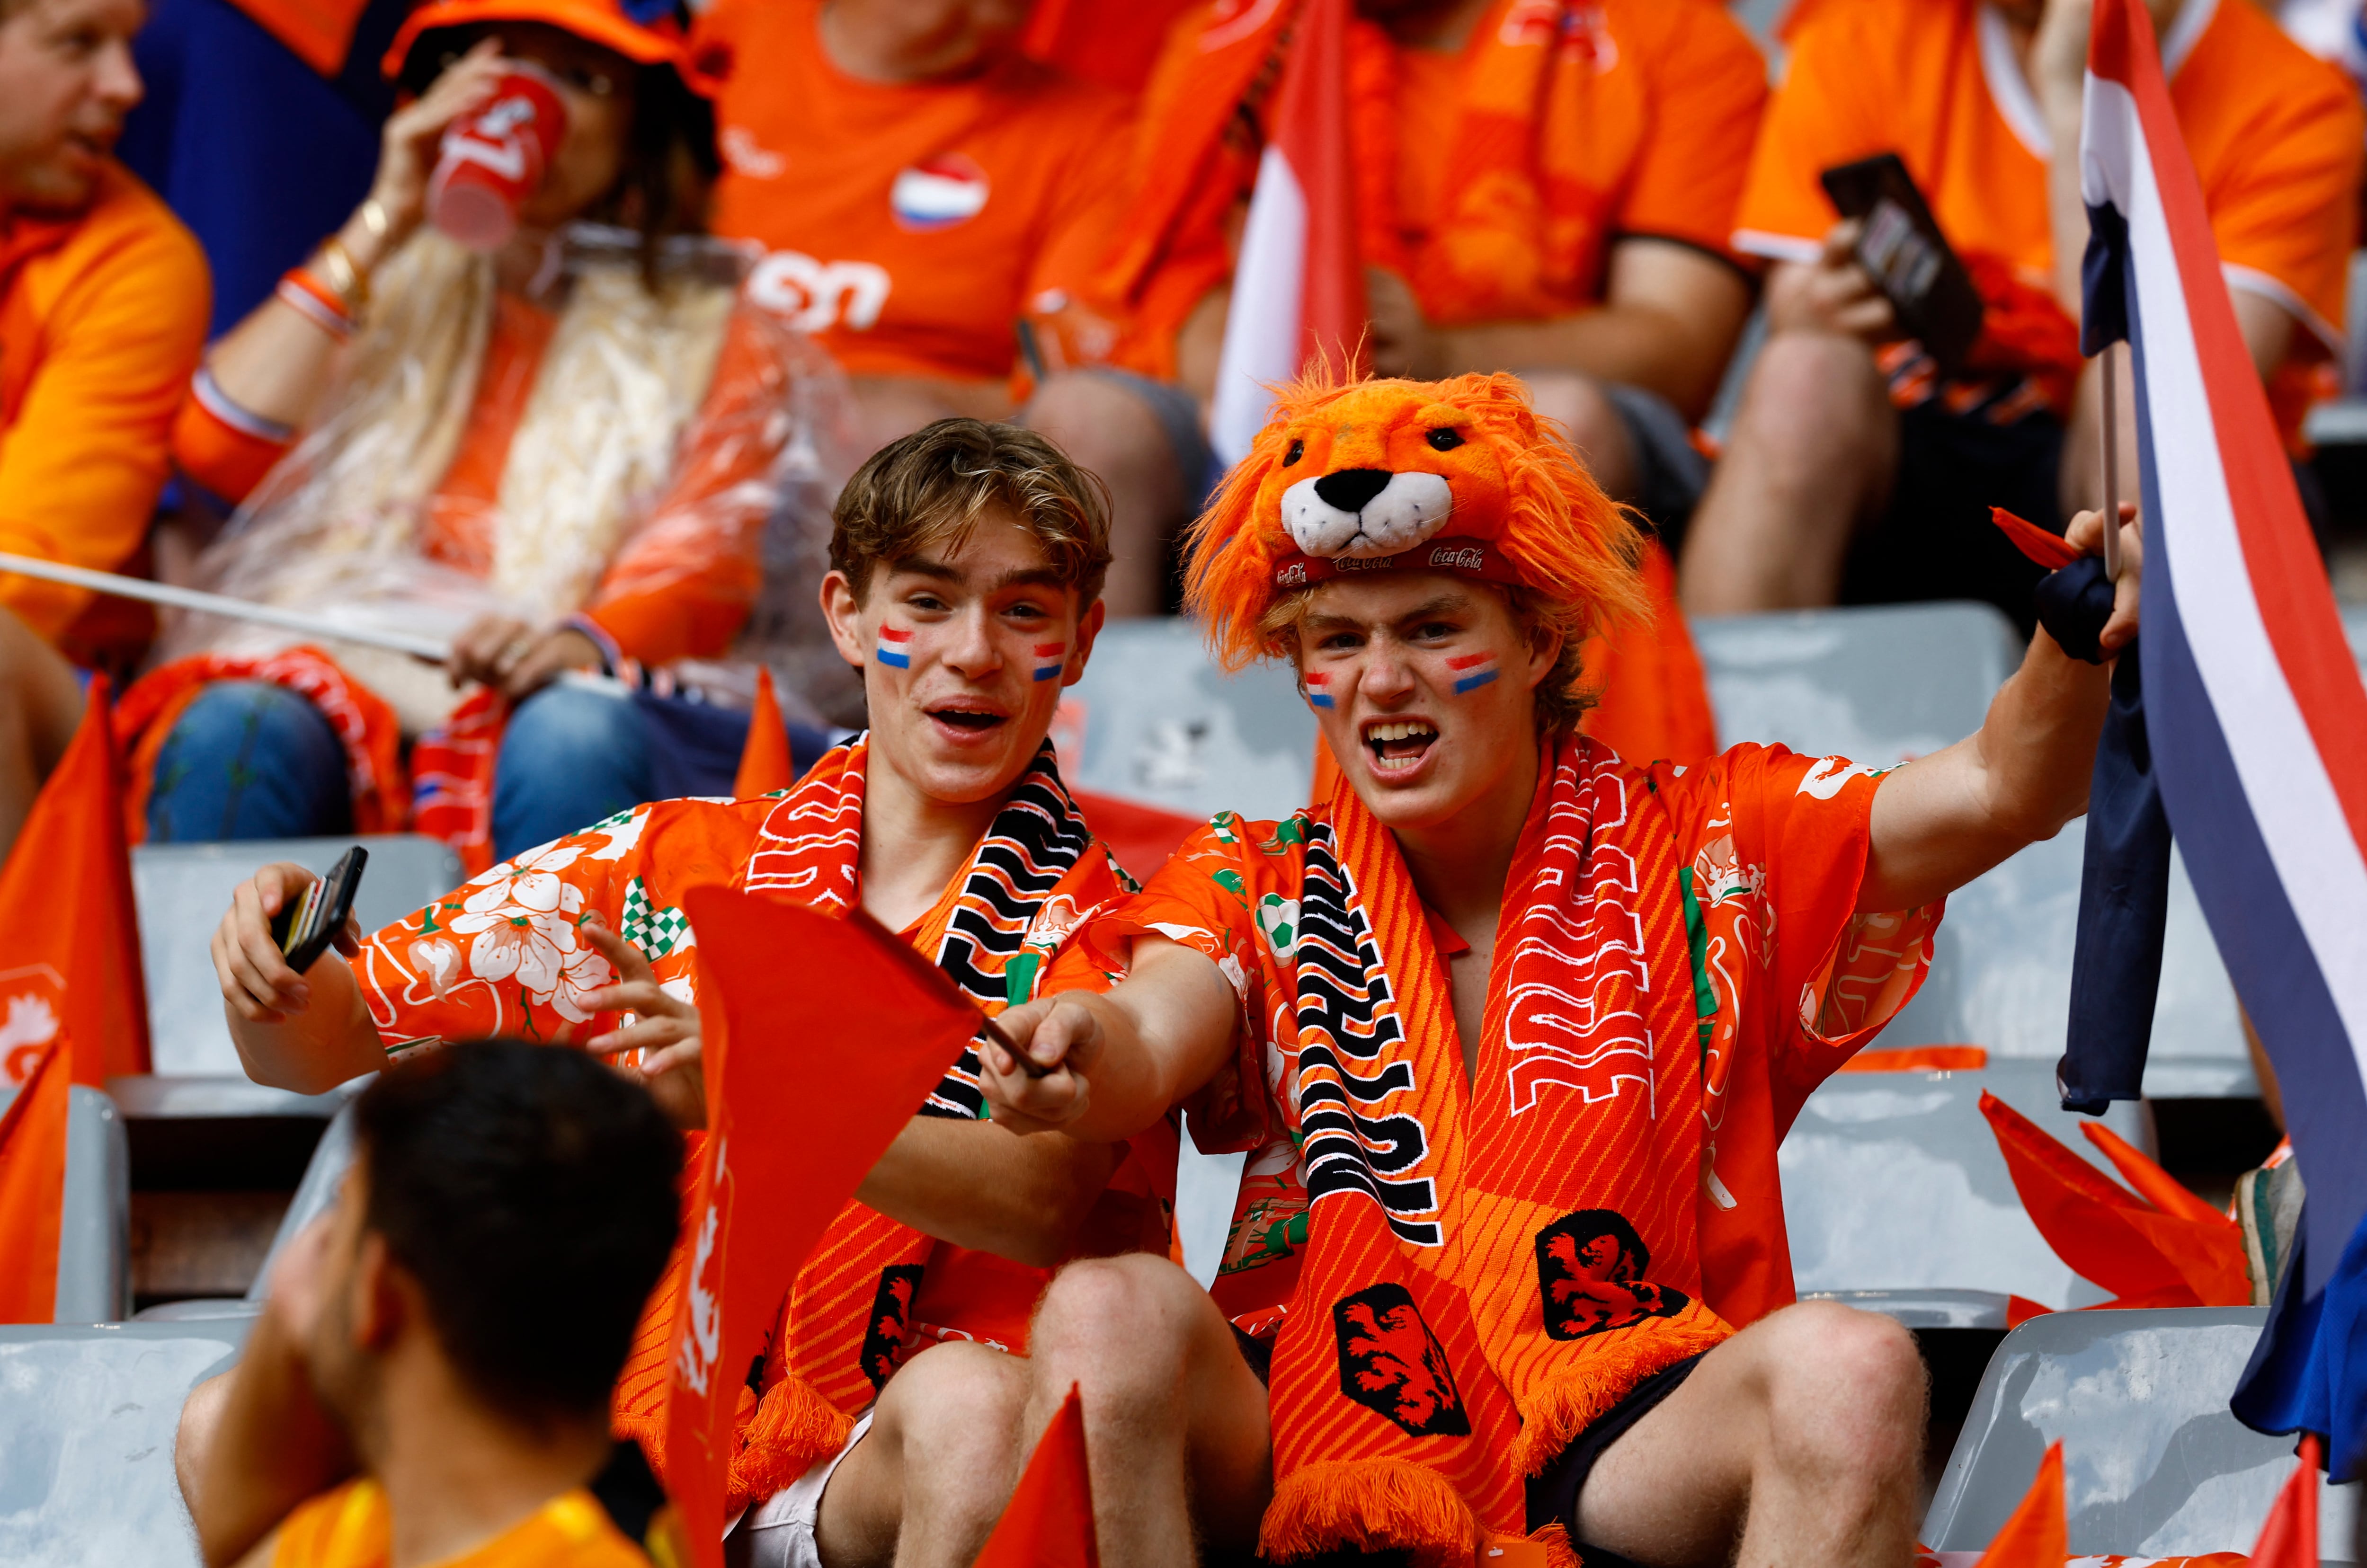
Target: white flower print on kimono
column 522, row 925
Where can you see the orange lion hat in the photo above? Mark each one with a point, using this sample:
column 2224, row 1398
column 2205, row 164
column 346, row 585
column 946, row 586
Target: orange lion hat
column 1456, row 476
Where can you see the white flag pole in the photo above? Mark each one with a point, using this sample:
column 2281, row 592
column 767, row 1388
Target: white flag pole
column 218, row 604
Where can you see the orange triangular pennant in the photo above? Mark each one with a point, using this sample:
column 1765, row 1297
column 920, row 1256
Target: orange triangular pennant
column 66, row 922
column 2289, row 1536
column 33, row 1190
column 1050, row 1520
column 764, row 764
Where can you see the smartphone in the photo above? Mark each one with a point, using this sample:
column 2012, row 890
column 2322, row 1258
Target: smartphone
column 1908, row 257
column 305, row 928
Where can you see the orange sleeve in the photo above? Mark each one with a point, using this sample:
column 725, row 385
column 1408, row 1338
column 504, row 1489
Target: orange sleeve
column 1815, row 121
column 220, row 446
column 682, row 583
column 2285, row 202
column 1709, row 88
column 81, row 466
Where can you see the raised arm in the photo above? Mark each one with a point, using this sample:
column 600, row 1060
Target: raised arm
column 1944, row 819
column 309, row 1032
column 1117, row 1059
column 980, row 1185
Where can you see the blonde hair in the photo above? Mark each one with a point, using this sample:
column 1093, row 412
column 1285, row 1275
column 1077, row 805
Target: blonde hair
column 933, row 486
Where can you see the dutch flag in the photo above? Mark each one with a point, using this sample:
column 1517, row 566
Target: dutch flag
column 1472, row 671
column 1319, row 695
column 895, row 648
column 2256, row 715
column 1051, row 657
column 1298, row 288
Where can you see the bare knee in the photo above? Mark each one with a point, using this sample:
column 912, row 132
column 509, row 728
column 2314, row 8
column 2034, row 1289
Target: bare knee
column 1104, row 425
column 201, row 1417
column 1846, row 1390
column 1582, row 409
column 1818, row 398
column 952, row 1398
column 1123, row 1322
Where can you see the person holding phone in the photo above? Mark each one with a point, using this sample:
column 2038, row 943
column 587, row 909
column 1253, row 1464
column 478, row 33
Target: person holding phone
column 1858, row 469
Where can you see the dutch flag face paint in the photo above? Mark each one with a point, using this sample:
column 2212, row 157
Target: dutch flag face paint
column 1319, row 692
column 895, row 648
column 1472, row 671
column 1051, row 657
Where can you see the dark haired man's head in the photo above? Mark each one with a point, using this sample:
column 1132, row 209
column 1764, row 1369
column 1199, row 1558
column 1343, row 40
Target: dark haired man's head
column 517, row 1203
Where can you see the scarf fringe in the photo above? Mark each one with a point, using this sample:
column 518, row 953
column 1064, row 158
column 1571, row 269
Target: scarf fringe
column 1559, row 1553
column 1567, row 1404
column 792, row 1429
column 1370, row 1504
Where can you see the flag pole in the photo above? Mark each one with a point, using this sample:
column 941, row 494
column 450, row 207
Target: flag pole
column 2111, row 438
column 166, row 593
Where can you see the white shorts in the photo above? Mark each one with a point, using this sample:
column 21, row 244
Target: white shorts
column 781, row 1527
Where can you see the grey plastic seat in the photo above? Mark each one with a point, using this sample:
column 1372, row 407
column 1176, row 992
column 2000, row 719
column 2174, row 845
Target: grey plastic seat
column 1897, row 1199
column 87, row 1423
column 182, row 890
column 2154, row 1465
column 1155, row 720
column 95, row 1233
column 1884, row 683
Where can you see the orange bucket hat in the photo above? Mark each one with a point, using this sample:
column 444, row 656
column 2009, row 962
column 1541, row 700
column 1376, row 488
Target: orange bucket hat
column 1457, row 476
column 646, row 34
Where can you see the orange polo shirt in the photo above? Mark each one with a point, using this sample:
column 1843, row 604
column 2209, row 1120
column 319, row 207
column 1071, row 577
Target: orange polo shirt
column 351, row 1528
column 102, row 318
column 2276, row 136
column 907, row 227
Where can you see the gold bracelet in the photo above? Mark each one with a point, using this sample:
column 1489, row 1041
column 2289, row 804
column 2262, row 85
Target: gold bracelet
column 374, row 218
column 347, row 276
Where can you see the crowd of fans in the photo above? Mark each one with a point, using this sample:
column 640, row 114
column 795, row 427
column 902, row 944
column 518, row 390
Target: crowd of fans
column 799, row 229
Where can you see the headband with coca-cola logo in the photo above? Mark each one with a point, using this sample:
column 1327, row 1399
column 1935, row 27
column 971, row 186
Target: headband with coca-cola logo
column 1464, row 557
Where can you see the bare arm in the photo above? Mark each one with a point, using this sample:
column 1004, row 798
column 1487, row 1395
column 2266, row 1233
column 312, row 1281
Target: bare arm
column 1944, row 819
column 983, row 1186
column 1668, row 322
column 1120, row 1059
column 308, row 1032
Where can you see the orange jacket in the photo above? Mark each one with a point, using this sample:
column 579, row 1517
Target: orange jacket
column 102, row 319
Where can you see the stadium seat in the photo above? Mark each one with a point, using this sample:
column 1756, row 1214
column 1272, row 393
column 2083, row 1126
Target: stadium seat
column 95, row 1233
column 1155, row 720
column 1897, row 1199
column 1884, row 683
column 86, row 1424
column 2154, row 1465
column 182, row 890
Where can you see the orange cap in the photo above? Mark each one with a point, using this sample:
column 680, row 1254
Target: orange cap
column 603, row 22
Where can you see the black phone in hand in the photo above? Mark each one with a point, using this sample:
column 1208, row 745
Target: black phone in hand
column 305, row 928
column 1902, row 250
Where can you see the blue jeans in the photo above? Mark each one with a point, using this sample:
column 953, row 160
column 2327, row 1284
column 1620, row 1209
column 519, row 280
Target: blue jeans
column 569, row 758
column 248, row 760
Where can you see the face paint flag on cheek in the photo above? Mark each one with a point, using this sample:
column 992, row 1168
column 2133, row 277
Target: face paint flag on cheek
column 1317, row 696
column 895, row 648
column 1472, row 671
column 1051, row 657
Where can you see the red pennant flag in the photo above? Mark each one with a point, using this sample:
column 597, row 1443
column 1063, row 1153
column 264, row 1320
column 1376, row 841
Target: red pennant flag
column 764, row 764
column 807, row 1084
column 2289, row 1537
column 33, row 1190
column 1049, row 1521
column 70, row 939
column 2036, row 1536
column 2174, row 1251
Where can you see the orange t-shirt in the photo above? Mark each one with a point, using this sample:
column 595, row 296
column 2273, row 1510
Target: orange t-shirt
column 352, row 1528
column 2275, row 134
column 907, row 226
column 101, row 323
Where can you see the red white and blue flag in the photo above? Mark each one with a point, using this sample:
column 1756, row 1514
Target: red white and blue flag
column 1050, row 659
column 2256, row 719
column 895, row 648
column 1473, row 670
column 1299, row 286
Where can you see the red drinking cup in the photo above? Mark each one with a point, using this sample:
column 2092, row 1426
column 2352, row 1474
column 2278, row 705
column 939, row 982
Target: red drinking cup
column 493, row 159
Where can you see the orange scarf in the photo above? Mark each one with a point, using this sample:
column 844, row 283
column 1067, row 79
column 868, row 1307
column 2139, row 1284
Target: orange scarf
column 1518, row 1267
column 848, row 1324
column 1497, row 252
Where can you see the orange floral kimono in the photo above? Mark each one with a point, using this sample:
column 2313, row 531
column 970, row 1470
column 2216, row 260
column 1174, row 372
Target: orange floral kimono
column 1456, row 1277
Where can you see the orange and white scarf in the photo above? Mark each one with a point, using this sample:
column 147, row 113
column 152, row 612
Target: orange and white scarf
column 848, row 1324
column 1518, row 1268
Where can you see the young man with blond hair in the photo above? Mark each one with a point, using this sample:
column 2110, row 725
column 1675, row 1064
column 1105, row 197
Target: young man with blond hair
column 1511, row 1028
column 965, row 572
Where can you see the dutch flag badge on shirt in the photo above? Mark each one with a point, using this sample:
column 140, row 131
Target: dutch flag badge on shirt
column 1051, row 657
column 937, row 193
column 895, row 648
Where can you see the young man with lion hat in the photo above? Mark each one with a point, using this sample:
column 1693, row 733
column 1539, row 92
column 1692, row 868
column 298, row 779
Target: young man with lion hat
column 1511, row 1028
